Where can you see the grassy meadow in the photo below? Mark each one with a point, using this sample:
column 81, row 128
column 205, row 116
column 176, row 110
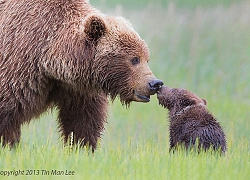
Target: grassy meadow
column 203, row 46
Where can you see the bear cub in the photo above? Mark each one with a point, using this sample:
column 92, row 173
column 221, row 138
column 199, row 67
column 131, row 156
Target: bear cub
column 190, row 121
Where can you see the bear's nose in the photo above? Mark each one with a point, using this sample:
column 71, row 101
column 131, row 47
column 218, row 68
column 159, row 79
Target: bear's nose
column 155, row 85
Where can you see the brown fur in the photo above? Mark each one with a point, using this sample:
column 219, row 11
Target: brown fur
column 190, row 119
column 69, row 55
column 2, row 3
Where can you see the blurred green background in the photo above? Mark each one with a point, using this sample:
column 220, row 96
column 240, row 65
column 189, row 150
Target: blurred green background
column 128, row 4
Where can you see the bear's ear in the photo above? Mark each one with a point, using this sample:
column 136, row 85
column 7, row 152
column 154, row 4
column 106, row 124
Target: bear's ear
column 205, row 102
column 94, row 27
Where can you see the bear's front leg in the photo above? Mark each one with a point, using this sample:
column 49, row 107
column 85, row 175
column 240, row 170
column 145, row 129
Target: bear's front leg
column 10, row 127
column 84, row 115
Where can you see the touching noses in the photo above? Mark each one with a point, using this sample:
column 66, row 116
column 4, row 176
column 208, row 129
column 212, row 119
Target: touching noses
column 155, row 85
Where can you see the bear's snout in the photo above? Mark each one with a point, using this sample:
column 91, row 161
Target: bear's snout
column 164, row 95
column 164, row 90
column 143, row 95
column 155, row 85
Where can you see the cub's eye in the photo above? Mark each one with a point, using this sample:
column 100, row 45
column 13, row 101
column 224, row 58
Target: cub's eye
column 135, row 60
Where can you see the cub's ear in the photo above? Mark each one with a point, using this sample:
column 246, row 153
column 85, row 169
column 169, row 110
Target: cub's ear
column 94, row 27
column 205, row 102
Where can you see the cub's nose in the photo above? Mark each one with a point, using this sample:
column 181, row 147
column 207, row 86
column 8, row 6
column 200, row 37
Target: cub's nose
column 155, row 85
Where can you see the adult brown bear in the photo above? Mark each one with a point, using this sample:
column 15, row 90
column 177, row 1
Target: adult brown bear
column 67, row 54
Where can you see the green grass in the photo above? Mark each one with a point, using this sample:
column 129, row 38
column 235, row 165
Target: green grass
column 205, row 49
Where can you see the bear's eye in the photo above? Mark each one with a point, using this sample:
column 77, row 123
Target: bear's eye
column 135, row 60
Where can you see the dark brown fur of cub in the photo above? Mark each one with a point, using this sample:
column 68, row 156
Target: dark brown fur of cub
column 190, row 120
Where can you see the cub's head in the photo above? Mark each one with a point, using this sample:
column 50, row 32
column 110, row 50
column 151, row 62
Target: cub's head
column 121, row 59
column 175, row 99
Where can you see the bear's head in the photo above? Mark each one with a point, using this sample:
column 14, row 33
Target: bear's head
column 176, row 99
column 120, row 59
